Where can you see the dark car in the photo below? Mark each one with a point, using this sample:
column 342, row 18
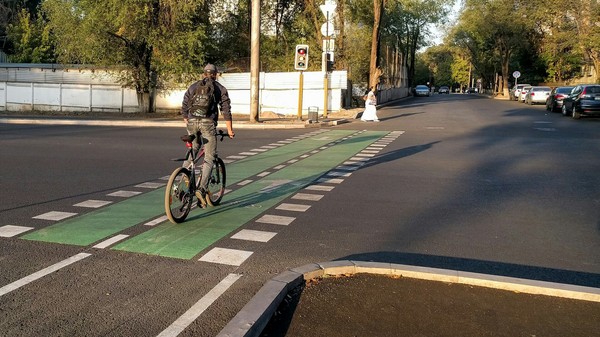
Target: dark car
column 583, row 100
column 444, row 90
column 555, row 101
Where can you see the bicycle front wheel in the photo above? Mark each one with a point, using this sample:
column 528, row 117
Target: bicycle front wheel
column 216, row 183
column 178, row 196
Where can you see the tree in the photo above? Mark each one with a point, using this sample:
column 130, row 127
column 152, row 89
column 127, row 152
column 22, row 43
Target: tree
column 155, row 43
column 31, row 40
column 493, row 30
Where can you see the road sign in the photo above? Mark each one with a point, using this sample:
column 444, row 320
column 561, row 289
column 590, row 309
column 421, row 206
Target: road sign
column 327, row 29
column 328, row 9
column 328, row 45
column 516, row 74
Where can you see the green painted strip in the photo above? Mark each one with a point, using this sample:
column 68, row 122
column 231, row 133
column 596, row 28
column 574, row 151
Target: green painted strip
column 94, row 226
column 205, row 227
column 91, row 227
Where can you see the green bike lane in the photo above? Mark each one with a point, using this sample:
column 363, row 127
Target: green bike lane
column 204, row 227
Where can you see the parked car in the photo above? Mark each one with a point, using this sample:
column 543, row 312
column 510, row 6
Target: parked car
column 555, row 100
column 444, row 90
column 583, row 100
column 537, row 94
column 516, row 91
column 422, row 90
column 523, row 93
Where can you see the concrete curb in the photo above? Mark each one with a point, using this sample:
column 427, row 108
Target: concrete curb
column 162, row 123
column 254, row 316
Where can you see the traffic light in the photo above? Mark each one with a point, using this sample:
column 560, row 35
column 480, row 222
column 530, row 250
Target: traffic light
column 301, row 57
column 329, row 60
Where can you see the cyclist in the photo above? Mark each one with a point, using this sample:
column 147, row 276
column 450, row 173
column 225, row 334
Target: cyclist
column 200, row 110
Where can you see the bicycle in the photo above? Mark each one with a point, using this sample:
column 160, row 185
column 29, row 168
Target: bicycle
column 179, row 194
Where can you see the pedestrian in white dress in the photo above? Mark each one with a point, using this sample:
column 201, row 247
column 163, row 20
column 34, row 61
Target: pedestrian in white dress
column 370, row 113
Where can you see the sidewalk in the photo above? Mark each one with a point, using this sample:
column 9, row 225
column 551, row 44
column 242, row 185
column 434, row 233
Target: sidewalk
column 355, row 298
column 267, row 121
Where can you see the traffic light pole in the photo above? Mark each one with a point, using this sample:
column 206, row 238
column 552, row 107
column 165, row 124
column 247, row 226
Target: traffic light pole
column 325, row 94
column 300, row 92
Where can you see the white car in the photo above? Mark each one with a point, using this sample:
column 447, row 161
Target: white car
column 523, row 93
column 537, row 94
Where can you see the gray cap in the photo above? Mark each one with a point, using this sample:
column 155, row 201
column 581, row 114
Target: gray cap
column 210, row 68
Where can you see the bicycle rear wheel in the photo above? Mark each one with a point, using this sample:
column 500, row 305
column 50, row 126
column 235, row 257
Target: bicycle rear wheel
column 216, row 182
column 178, row 196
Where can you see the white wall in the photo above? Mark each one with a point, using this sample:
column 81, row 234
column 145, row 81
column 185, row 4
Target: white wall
column 33, row 88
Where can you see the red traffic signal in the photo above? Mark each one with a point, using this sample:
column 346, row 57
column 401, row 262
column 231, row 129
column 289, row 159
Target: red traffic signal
column 301, row 57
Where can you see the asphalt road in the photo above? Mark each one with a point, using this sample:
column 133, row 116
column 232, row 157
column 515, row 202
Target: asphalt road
column 455, row 181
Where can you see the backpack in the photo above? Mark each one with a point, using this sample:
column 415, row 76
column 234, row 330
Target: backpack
column 203, row 99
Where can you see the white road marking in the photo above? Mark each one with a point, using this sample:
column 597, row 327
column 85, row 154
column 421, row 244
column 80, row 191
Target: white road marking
column 293, row 207
column 330, row 181
column 111, row 241
column 231, row 257
column 199, row 307
column 292, row 161
column 276, row 219
column 55, row 215
column 125, row 194
column 150, row 185
column 308, row 196
column 279, row 167
column 39, row 274
column 93, row 203
column 347, row 167
column 359, row 159
column 338, row 174
column 365, row 155
column 259, row 150
column 245, row 182
column 248, row 153
column 165, row 178
column 236, row 157
column 545, row 129
column 304, row 156
column 156, row 221
column 320, row 188
column 9, row 231
column 252, row 235
column 263, row 174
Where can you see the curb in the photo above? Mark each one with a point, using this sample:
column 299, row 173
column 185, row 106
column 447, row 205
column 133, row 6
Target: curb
column 255, row 315
column 162, row 123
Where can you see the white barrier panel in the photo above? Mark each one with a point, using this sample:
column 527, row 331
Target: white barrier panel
column 36, row 88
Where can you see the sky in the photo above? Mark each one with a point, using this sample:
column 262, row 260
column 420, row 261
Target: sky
column 439, row 32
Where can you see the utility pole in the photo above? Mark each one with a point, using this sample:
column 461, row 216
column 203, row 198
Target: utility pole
column 255, row 61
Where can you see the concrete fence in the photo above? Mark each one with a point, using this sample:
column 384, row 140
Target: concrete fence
column 28, row 87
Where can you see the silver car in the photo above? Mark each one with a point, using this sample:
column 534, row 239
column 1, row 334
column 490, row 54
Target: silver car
column 422, row 90
column 537, row 94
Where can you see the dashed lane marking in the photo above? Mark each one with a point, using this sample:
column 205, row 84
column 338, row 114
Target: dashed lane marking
column 308, row 196
column 293, row 207
column 199, row 307
column 125, row 194
column 111, row 241
column 276, row 219
column 9, row 231
column 232, row 257
column 39, row 274
column 93, row 203
column 54, row 215
column 254, row 235
column 150, row 185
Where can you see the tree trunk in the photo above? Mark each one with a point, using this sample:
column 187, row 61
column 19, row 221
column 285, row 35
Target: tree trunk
column 144, row 102
column 374, row 72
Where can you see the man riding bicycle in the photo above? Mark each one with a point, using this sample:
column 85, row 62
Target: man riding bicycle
column 200, row 110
